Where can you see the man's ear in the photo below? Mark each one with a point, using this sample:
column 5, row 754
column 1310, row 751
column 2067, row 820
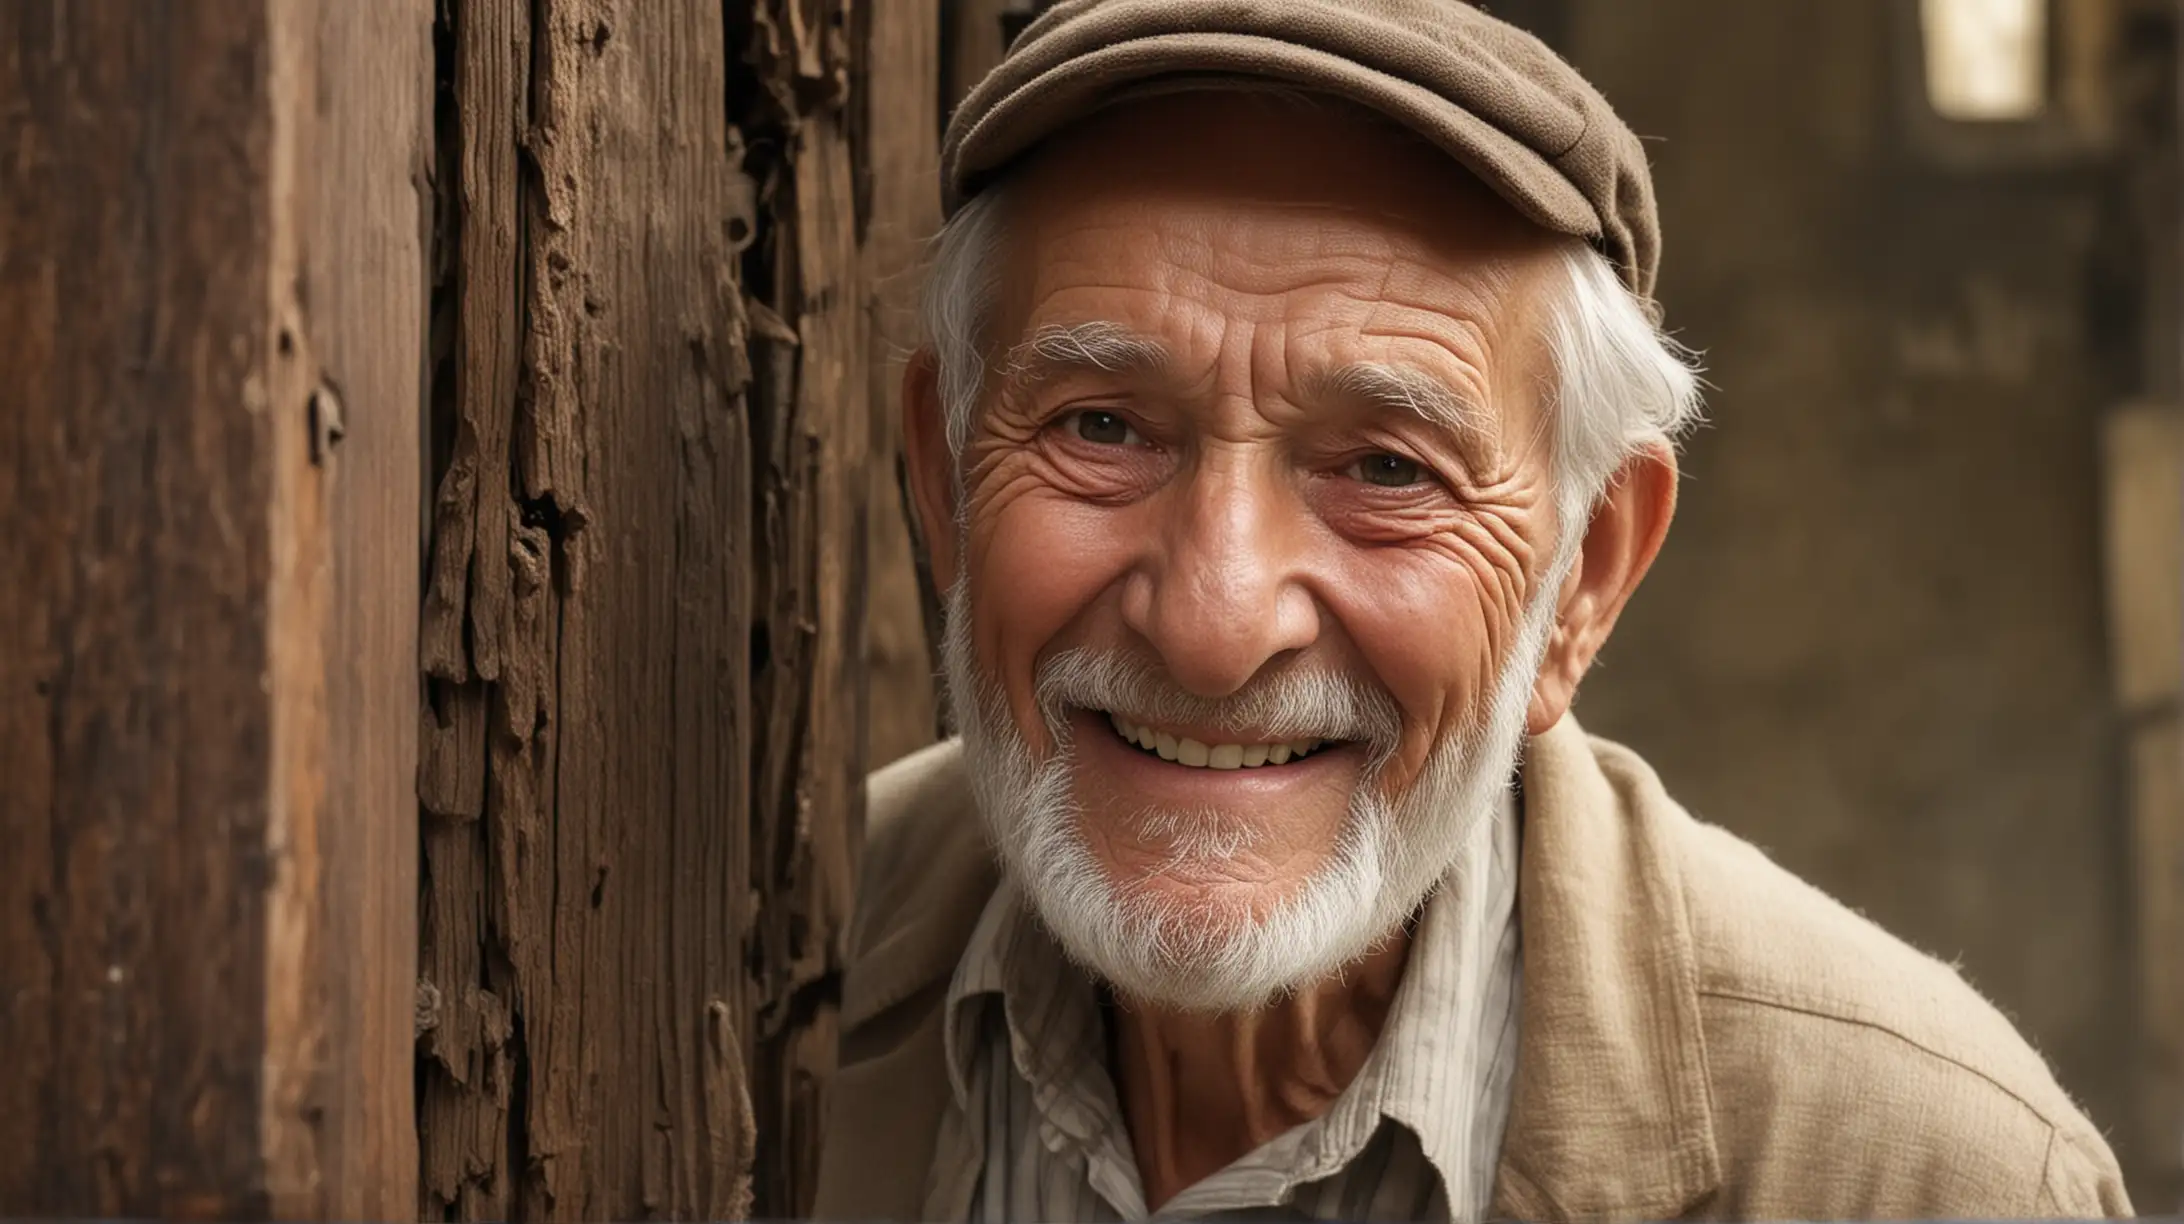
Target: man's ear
column 1625, row 534
column 929, row 466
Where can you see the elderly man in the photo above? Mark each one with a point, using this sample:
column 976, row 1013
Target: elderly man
column 1293, row 428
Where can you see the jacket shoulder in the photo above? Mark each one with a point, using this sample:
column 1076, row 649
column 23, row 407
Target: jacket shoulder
column 925, row 876
column 1830, row 1037
column 889, row 1093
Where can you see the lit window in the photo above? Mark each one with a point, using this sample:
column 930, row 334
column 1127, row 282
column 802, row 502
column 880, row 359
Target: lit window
column 1986, row 60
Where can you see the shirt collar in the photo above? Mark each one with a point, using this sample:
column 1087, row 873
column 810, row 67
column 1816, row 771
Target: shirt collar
column 979, row 977
column 1049, row 1007
column 1454, row 1009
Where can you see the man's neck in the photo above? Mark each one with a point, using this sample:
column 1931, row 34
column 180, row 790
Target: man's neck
column 1199, row 1090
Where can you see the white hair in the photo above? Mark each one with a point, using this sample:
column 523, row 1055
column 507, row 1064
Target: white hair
column 1619, row 383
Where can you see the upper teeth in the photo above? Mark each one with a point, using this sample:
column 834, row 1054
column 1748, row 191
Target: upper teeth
column 1186, row 751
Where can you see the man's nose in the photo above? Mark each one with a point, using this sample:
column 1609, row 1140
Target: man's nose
column 1225, row 594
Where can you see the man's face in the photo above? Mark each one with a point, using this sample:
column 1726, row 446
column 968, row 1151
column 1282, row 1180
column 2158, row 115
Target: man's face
column 1254, row 508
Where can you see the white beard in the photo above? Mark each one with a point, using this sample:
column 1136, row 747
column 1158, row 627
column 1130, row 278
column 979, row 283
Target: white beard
column 1209, row 957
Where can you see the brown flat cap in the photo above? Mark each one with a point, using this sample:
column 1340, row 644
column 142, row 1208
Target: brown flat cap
column 1488, row 94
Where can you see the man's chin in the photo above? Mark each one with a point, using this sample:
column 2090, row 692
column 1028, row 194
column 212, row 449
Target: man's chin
column 1185, row 962
column 1221, row 861
column 1194, row 938
column 1201, row 901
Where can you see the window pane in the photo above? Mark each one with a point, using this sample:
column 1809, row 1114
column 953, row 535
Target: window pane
column 1986, row 59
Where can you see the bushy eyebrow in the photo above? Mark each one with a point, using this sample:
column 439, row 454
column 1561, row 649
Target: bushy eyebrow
column 1408, row 389
column 1095, row 345
column 1112, row 348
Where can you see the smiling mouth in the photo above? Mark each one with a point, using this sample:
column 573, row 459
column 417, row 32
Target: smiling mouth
column 1183, row 750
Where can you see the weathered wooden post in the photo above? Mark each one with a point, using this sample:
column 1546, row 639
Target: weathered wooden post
column 586, row 626
column 669, row 230
column 450, row 589
column 211, row 277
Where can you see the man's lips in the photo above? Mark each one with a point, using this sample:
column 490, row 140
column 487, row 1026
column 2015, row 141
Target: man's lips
column 1180, row 746
column 1202, row 748
column 1127, row 772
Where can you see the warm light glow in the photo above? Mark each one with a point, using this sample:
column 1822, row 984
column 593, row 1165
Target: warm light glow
column 1986, row 59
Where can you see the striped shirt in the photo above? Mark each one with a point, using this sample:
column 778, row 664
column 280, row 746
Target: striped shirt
column 1415, row 1136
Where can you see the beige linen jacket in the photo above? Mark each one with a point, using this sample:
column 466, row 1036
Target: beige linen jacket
column 1704, row 1035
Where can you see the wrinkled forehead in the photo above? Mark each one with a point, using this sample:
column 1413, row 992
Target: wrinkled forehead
column 1293, row 204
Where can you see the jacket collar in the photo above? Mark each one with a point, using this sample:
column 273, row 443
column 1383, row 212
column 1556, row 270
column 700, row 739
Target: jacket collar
column 915, row 919
column 1612, row 1115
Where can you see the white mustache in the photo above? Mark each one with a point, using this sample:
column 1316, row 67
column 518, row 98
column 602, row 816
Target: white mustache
column 1281, row 705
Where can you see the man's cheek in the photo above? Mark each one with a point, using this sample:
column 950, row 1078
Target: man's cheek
column 1047, row 559
column 1034, row 574
column 1431, row 630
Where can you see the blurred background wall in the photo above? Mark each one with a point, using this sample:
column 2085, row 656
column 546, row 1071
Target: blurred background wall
column 1879, row 641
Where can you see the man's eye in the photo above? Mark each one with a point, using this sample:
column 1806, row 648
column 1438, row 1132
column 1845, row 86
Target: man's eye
column 1105, row 428
column 1388, row 471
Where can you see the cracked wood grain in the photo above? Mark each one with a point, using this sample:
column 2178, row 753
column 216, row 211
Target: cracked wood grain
column 645, row 637
column 585, row 641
